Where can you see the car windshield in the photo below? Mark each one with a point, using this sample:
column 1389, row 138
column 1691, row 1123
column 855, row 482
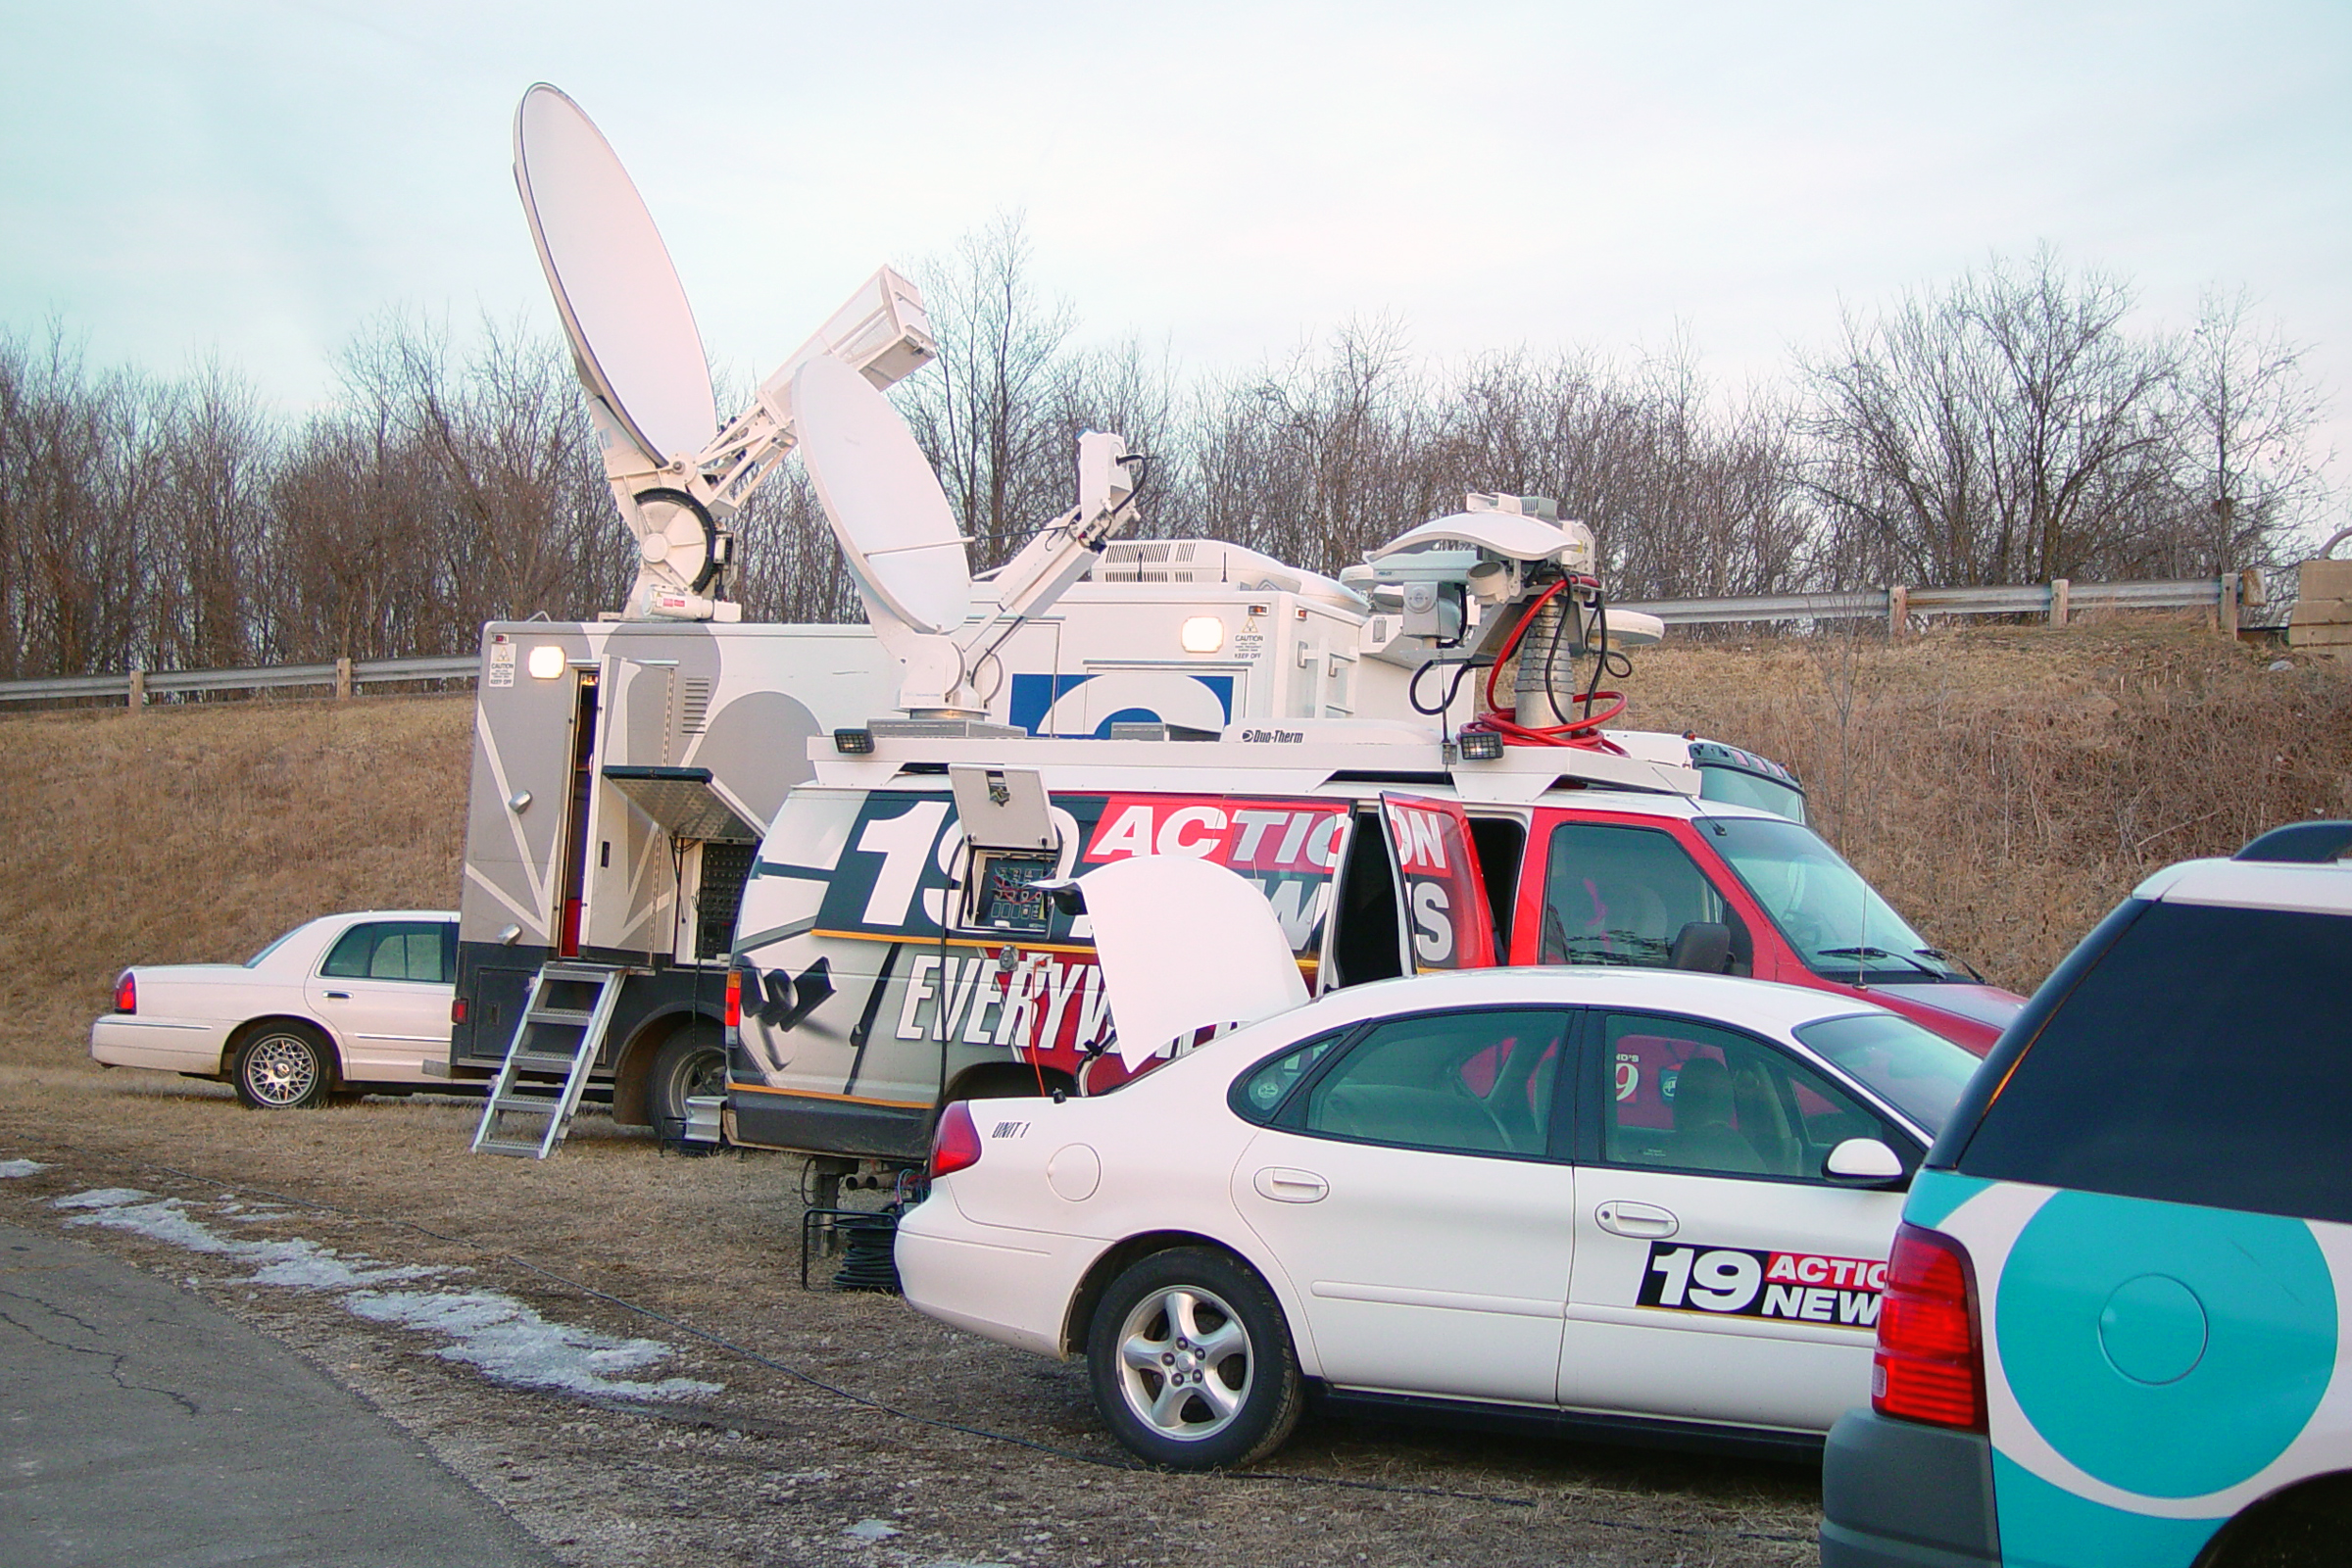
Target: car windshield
column 1835, row 920
column 255, row 961
column 1919, row 1073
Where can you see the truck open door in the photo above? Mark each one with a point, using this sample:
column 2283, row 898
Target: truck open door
column 1441, row 891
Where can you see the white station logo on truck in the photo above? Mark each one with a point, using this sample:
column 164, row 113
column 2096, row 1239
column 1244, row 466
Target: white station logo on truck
column 1742, row 1282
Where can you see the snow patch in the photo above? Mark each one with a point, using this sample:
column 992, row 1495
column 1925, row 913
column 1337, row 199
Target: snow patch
column 513, row 1343
column 100, row 1198
column 296, row 1262
column 502, row 1337
column 20, row 1167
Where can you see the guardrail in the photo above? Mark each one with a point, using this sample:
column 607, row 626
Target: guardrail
column 2059, row 601
column 135, row 686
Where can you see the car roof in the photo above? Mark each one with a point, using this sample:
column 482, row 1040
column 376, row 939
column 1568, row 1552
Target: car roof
column 2253, row 885
column 1757, row 1003
column 393, row 914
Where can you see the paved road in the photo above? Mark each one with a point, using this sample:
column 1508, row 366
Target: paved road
column 140, row 1425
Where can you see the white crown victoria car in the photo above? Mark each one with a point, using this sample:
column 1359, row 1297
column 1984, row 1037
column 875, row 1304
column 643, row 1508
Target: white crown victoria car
column 338, row 1004
column 1652, row 1205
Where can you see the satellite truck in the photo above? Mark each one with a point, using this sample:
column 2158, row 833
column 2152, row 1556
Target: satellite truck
column 796, row 886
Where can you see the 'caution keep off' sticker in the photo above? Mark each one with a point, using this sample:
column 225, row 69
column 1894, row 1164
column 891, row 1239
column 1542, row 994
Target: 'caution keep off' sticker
column 1739, row 1282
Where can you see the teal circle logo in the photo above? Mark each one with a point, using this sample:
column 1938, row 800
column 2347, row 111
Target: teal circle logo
column 2165, row 1349
column 2153, row 1329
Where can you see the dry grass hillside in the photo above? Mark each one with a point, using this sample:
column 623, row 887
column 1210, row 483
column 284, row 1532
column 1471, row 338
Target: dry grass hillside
column 196, row 834
column 2003, row 788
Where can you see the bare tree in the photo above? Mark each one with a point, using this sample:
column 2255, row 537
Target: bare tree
column 77, row 483
column 2245, row 414
column 984, row 415
column 2004, row 428
column 209, row 533
column 2009, row 426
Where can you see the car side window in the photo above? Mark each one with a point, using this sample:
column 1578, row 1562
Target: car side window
column 1260, row 1092
column 1624, row 895
column 1478, row 1083
column 1680, row 1095
column 390, row 949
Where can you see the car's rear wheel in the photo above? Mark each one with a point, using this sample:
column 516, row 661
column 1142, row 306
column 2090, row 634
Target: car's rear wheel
column 691, row 1064
column 1190, row 1361
column 283, row 1066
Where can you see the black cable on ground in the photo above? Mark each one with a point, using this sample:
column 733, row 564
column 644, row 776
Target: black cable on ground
column 939, row 1423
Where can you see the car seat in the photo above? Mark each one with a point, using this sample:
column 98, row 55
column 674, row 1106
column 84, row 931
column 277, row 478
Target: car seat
column 1705, row 1138
column 1762, row 1120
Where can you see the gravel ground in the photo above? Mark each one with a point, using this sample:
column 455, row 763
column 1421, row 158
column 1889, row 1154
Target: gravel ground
column 498, row 1309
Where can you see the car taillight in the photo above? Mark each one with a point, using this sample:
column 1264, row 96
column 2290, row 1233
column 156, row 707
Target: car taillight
column 1929, row 1365
column 126, row 992
column 457, row 1009
column 957, row 1144
column 734, row 999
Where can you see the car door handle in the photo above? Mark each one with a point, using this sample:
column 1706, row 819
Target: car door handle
column 1645, row 1220
column 1286, row 1186
column 338, row 995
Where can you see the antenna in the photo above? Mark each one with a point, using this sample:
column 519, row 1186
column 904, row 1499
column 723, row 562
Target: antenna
column 893, row 521
column 899, row 536
column 677, row 476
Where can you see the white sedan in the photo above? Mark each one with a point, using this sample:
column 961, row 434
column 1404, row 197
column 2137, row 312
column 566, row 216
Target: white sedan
column 1648, row 1204
column 341, row 1005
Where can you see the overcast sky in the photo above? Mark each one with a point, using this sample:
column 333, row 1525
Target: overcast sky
column 262, row 178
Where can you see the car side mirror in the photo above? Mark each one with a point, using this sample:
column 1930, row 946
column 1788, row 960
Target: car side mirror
column 1863, row 1162
column 1703, row 947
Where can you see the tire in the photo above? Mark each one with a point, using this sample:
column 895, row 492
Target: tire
column 692, row 1062
column 1151, row 1327
column 283, row 1066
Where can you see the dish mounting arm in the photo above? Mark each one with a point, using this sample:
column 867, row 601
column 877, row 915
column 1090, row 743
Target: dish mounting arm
column 678, row 512
column 1058, row 553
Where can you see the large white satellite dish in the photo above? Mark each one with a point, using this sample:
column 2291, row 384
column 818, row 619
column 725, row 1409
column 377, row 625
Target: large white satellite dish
column 622, row 306
column 893, row 521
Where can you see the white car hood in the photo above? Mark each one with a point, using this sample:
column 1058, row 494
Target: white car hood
column 1185, row 945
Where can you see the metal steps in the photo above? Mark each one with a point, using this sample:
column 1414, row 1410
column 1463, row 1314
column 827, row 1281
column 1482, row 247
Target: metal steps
column 554, row 1048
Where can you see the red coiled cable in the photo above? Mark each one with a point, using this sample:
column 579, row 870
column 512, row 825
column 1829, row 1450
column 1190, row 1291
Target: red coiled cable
column 1583, row 732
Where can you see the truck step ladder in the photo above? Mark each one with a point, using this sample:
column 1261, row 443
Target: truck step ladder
column 556, row 1043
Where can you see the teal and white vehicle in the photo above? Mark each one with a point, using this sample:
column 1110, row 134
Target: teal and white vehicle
column 2115, row 1323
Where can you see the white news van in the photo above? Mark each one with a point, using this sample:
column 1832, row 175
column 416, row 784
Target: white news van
column 624, row 772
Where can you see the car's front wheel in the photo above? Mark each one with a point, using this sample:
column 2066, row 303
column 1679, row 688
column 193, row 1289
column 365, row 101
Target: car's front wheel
column 1190, row 1361
column 283, row 1066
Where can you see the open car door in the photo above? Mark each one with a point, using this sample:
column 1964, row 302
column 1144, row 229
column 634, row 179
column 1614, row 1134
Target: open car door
column 1440, row 888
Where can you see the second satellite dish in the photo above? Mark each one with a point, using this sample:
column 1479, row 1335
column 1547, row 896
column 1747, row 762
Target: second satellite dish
column 894, row 523
column 622, row 306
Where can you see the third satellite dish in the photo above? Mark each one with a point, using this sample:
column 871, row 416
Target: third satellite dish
column 622, row 306
column 885, row 503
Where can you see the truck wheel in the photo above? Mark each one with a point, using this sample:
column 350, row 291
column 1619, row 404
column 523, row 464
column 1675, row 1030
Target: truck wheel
column 283, row 1066
column 693, row 1061
column 1190, row 1362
